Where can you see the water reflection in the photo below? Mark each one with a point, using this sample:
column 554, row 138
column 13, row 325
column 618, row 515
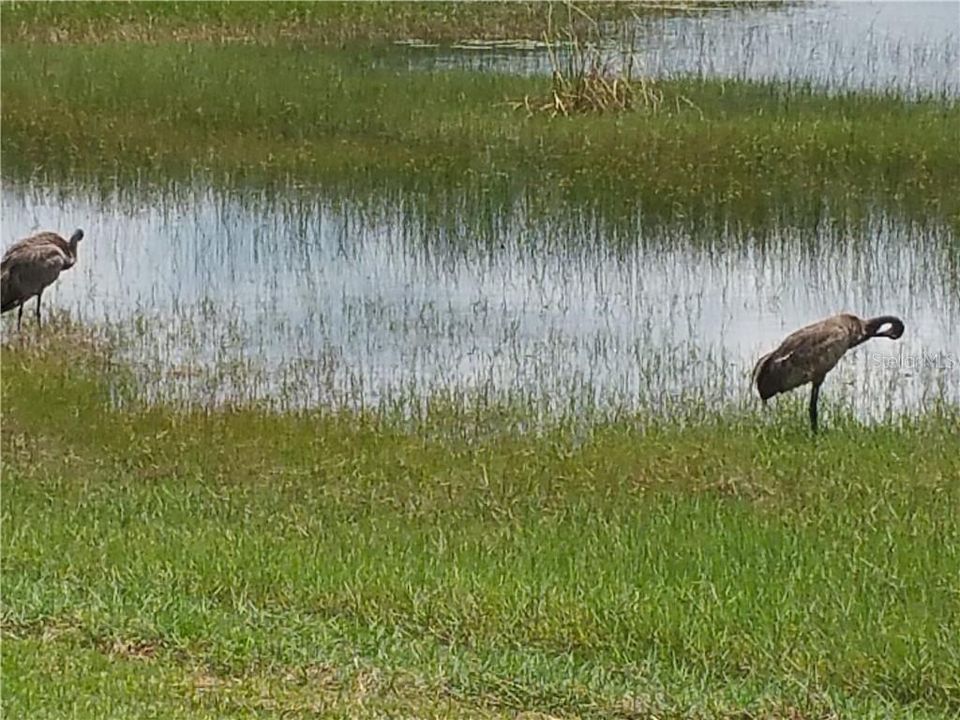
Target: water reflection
column 910, row 46
column 303, row 301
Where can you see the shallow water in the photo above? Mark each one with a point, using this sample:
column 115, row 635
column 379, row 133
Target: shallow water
column 304, row 302
column 912, row 47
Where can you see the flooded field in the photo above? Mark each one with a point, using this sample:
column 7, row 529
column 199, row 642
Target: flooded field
column 670, row 255
column 910, row 47
column 289, row 298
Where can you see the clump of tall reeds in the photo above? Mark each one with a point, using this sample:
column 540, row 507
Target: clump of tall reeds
column 590, row 79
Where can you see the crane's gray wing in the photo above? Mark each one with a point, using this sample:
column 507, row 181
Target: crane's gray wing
column 31, row 266
column 804, row 356
column 31, row 247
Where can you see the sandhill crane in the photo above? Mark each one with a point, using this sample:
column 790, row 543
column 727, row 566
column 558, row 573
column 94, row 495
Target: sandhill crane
column 31, row 264
column 808, row 354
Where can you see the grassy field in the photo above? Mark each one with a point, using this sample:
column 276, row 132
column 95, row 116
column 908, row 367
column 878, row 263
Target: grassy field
column 240, row 563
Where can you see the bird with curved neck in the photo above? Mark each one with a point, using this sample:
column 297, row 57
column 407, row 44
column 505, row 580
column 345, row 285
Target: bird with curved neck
column 807, row 355
column 30, row 265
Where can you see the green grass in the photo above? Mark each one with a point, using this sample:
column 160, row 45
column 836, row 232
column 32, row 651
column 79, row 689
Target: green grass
column 241, row 563
column 314, row 22
column 361, row 124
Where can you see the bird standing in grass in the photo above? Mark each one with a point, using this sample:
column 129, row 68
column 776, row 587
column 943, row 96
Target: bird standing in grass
column 808, row 354
column 30, row 265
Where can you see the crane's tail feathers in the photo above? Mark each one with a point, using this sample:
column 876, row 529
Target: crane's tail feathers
column 9, row 298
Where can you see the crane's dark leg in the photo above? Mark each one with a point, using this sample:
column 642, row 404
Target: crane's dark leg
column 814, row 397
column 39, row 294
column 19, row 315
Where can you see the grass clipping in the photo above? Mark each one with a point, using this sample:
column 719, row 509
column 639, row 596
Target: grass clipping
column 587, row 80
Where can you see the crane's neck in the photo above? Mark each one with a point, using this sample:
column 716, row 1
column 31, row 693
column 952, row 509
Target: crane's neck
column 75, row 241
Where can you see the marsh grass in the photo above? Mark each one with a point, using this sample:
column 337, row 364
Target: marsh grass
column 591, row 83
column 589, row 74
column 361, row 125
column 311, row 22
column 236, row 560
column 586, row 80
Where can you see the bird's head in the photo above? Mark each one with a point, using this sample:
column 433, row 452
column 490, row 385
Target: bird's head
column 76, row 237
column 885, row 326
